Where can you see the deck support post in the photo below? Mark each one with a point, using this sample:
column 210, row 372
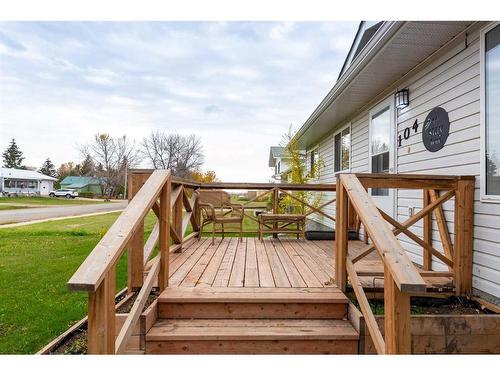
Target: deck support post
column 135, row 248
column 101, row 317
column 196, row 213
column 341, row 236
column 397, row 317
column 464, row 217
column 164, row 239
column 427, row 232
column 177, row 217
column 275, row 209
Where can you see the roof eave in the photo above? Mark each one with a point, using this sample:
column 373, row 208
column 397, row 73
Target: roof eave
column 385, row 33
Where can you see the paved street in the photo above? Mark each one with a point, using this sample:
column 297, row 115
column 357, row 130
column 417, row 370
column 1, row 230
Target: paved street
column 50, row 212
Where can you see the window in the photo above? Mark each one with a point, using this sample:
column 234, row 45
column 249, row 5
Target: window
column 278, row 168
column 313, row 162
column 342, row 150
column 490, row 174
column 380, row 145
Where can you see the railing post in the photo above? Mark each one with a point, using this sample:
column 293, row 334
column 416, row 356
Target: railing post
column 397, row 317
column 177, row 217
column 164, row 240
column 275, row 209
column 341, row 235
column 196, row 212
column 427, row 232
column 135, row 247
column 464, row 218
column 101, row 317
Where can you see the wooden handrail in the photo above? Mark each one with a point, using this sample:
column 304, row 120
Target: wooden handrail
column 267, row 186
column 391, row 252
column 109, row 249
column 137, row 307
column 371, row 323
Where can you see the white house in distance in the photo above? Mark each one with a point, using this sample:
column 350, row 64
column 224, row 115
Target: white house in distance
column 25, row 182
column 399, row 80
column 278, row 160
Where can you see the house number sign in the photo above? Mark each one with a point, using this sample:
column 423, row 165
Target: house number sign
column 435, row 131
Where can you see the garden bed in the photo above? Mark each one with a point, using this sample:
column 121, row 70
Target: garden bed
column 439, row 326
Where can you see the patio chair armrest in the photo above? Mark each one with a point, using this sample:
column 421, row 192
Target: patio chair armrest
column 207, row 207
column 237, row 207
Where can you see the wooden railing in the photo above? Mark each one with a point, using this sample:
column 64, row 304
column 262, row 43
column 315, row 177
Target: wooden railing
column 276, row 190
column 401, row 277
column 175, row 203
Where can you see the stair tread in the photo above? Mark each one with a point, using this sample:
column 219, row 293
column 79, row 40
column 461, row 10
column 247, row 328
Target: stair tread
column 251, row 329
column 252, row 295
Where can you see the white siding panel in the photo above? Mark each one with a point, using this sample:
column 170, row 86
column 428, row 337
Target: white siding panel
column 451, row 82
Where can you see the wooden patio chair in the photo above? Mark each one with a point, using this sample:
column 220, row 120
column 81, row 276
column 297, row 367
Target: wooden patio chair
column 216, row 208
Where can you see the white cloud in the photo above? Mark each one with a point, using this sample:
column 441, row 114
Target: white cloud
column 238, row 85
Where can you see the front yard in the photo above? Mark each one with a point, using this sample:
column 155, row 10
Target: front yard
column 36, row 261
column 24, row 202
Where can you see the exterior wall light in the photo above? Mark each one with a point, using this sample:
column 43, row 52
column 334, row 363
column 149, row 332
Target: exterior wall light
column 402, row 98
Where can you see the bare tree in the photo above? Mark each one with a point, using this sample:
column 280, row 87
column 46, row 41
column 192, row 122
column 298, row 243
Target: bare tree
column 110, row 157
column 181, row 154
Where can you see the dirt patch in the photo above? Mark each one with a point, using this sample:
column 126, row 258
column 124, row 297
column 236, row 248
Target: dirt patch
column 125, row 308
column 76, row 342
column 434, row 306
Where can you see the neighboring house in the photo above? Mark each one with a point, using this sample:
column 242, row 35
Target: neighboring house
column 279, row 161
column 394, row 78
column 25, row 182
column 83, row 184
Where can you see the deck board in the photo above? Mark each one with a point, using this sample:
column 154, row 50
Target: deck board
column 279, row 274
column 271, row 263
column 237, row 277
column 265, row 273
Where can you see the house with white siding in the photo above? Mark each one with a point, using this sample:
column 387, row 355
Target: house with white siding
column 419, row 98
column 15, row 181
column 280, row 163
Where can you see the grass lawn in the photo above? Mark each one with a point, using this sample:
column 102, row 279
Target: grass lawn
column 36, row 261
column 10, row 207
column 45, row 201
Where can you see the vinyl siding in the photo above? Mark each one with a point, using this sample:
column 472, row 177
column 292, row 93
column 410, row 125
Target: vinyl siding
column 452, row 82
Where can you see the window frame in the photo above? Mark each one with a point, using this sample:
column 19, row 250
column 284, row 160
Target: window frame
column 309, row 156
column 340, row 130
column 482, row 158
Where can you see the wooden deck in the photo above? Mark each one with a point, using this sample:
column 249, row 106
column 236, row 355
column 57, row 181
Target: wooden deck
column 272, row 263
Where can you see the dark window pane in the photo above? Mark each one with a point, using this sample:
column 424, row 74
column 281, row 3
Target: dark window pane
column 380, row 164
column 336, row 156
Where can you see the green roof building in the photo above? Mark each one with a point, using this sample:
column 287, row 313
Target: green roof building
column 82, row 184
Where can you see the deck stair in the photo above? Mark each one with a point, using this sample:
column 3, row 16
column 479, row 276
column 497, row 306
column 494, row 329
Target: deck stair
column 252, row 321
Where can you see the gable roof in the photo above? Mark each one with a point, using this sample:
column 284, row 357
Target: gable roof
column 365, row 32
column 396, row 48
column 274, row 153
column 81, row 181
column 24, row 174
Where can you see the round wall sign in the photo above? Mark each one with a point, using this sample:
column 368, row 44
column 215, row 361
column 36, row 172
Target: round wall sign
column 436, row 129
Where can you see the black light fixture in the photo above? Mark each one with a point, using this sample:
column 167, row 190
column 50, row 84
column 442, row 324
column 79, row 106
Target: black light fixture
column 402, row 98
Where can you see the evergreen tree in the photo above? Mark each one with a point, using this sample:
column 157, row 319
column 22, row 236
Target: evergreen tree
column 13, row 156
column 86, row 168
column 48, row 168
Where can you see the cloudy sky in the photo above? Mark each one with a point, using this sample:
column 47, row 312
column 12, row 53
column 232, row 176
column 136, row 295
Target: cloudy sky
column 238, row 85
